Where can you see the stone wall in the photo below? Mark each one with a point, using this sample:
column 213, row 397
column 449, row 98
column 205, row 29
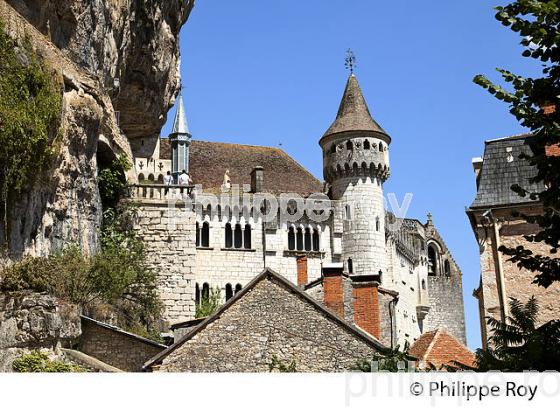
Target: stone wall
column 168, row 232
column 116, row 347
column 31, row 320
column 269, row 320
column 446, row 306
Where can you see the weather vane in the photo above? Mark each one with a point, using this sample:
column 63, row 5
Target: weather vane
column 350, row 61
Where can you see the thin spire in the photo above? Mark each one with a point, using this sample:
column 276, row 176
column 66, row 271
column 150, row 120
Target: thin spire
column 353, row 113
column 180, row 125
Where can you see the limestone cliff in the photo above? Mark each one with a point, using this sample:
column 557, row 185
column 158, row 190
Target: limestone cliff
column 117, row 60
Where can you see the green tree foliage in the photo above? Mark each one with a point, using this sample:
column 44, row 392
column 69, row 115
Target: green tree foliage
column 112, row 182
column 518, row 344
column 209, row 304
column 536, row 21
column 30, row 107
column 39, row 362
column 394, row 360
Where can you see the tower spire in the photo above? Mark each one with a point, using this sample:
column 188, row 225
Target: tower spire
column 180, row 124
column 180, row 139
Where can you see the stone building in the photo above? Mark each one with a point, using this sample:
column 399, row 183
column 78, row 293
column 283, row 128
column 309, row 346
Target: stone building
column 236, row 231
column 494, row 223
column 270, row 318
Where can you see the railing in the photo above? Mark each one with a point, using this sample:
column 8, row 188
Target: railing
column 159, row 191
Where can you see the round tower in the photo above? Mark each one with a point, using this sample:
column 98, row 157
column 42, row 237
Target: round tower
column 356, row 164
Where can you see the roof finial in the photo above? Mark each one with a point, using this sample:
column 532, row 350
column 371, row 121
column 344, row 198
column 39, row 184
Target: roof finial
column 350, row 61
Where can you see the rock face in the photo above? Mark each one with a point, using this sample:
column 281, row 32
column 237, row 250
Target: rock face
column 93, row 46
column 34, row 321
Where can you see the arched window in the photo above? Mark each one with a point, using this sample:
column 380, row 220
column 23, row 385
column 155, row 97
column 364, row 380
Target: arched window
column 197, row 234
column 151, row 177
column 350, row 266
column 316, row 244
column 160, row 179
column 291, row 239
column 238, row 237
column 229, row 291
column 238, row 287
column 447, row 268
column 432, row 261
column 205, row 291
column 197, row 294
column 366, row 144
column 229, row 236
column 347, row 212
column 423, row 284
column 141, row 177
column 307, row 239
column 380, row 147
column 377, row 224
column 349, row 145
column 219, row 212
column 205, row 236
column 247, row 237
column 333, row 148
column 299, row 239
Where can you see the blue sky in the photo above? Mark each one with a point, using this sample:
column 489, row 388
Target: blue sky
column 269, row 73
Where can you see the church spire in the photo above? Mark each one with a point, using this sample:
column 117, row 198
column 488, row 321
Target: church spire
column 353, row 113
column 180, row 139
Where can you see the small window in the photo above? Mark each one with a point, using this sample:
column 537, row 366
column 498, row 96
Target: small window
column 247, row 237
column 432, row 261
column 197, row 294
column 205, row 291
column 229, row 291
column 377, row 224
column 197, row 234
column 447, row 268
column 238, row 287
column 205, row 236
column 350, row 266
column 349, row 145
column 229, row 236
column 299, row 239
column 316, row 244
column 423, row 284
column 238, row 237
column 307, row 239
column 366, row 144
column 291, row 239
column 380, row 147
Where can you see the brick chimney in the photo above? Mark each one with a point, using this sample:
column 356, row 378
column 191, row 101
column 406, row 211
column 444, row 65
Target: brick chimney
column 333, row 291
column 257, row 179
column 301, row 270
column 366, row 304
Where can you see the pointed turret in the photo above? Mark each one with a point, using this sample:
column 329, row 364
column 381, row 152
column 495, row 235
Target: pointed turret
column 353, row 113
column 180, row 139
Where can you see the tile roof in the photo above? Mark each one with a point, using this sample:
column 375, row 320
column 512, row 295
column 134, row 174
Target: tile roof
column 353, row 113
column 502, row 168
column 440, row 348
column 208, row 162
column 269, row 274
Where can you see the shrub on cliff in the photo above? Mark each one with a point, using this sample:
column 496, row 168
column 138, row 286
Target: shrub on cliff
column 39, row 362
column 30, row 107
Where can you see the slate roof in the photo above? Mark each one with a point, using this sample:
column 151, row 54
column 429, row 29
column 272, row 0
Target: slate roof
column 208, row 162
column 268, row 274
column 353, row 113
column 502, row 168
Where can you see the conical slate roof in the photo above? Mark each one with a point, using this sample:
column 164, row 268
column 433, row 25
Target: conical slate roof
column 180, row 125
column 353, row 113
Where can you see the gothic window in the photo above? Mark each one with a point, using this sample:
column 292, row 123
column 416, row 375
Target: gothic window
column 151, row 177
column 197, row 234
column 238, row 237
column 349, row 145
column 291, row 239
column 238, row 287
column 219, row 213
column 205, row 291
column 377, row 224
column 197, row 294
column 299, row 239
column 247, row 237
column 229, row 291
column 205, row 235
column 447, row 268
column 160, row 179
column 141, row 177
column 350, row 266
column 307, row 239
column 432, row 261
column 366, row 144
column 316, row 244
column 229, row 236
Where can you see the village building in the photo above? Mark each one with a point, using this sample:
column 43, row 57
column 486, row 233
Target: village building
column 496, row 219
column 225, row 246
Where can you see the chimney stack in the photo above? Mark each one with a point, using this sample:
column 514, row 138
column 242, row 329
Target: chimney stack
column 301, row 261
column 257, row 179
column 366, row 304
column 333, row 290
